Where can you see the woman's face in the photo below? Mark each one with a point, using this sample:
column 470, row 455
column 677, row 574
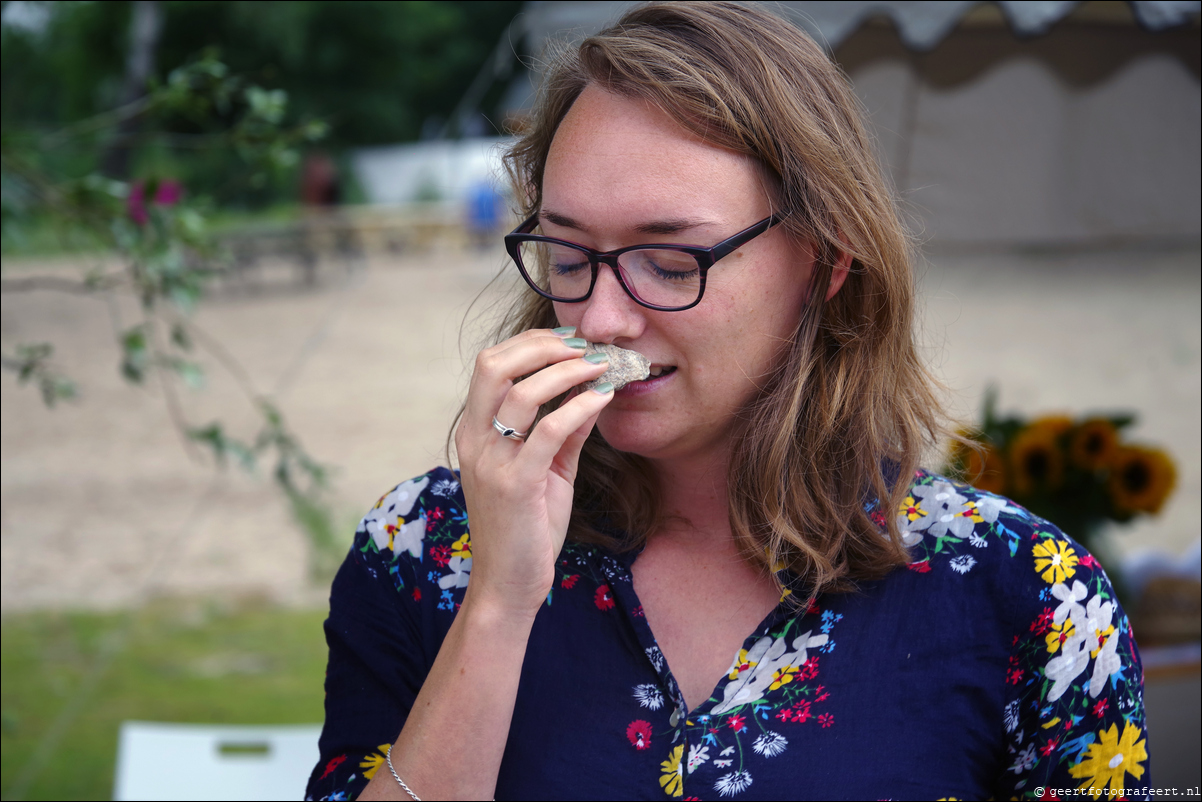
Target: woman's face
column 621, row 172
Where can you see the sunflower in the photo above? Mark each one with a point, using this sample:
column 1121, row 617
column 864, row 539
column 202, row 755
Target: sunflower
column 986, row 470
column 1036, row 462
column 1052, row 425
column 1111, row 759
column 1093, row 444
column 1141, row 479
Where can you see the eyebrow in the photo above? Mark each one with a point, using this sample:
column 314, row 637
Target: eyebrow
column 671, row 226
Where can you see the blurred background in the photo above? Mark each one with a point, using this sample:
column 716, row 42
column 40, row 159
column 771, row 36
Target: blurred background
column 247, row 254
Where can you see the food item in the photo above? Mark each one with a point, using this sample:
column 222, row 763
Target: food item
column 624, row 366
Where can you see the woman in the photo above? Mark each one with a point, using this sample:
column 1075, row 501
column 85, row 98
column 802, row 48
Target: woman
column 753, row 503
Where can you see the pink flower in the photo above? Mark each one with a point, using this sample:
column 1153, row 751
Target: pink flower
column 1088, row 561
column 569, row 582
column 603, row 598
column 923, row 567
column 826, row 720
column 169, row 193
column 639, row 734
column 1100, row 708
column 737, row 723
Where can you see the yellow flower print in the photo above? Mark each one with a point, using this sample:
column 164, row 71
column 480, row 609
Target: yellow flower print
column 911, row 508
column 783, row 676
column 1102, row 636
column 1111, row 759
column 1058, row 635
column 971, row 512
column 1056, row 560
column 462, row 547
column 373, row 761
column 672, row 778
column 741, row 664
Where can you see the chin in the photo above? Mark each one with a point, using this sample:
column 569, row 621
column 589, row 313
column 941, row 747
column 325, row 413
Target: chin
column 643, row 438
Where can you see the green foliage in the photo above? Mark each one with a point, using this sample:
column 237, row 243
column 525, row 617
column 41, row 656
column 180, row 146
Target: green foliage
column 32, row 364
column 166, row 254
column 377, row 72
column 191, row 661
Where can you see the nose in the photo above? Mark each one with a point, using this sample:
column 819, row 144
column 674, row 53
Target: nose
column 610, row 314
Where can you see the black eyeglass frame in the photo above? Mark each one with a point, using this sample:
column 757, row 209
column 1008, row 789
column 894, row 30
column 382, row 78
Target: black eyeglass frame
column 706, row 257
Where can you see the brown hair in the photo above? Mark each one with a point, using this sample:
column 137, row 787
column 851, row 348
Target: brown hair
column 837, row 432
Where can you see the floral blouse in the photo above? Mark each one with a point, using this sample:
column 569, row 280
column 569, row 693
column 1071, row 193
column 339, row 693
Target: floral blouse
column 997, row 664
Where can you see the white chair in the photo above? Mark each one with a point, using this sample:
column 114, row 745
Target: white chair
column 214, row 762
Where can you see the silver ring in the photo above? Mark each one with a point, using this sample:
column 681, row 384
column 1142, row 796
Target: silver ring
column 508, row 431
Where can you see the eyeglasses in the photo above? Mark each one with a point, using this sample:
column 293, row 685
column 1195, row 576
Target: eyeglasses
column 667, row 278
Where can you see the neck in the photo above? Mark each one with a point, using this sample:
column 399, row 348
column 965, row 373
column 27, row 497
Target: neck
column 696, row 503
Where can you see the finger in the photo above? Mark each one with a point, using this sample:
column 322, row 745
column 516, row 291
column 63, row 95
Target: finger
column 522, row 402
column 552, row 433
column 497, row 367
column 568, row 458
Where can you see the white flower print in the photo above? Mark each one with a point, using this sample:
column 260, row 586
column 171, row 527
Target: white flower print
column 768, row 655
column 962, row 564
column 722, row 764
column 460, row 569
column 445, row 488
column 1025, row 759
column 389, row 512
column 1010, row 716
column 734, row 783
column 1089, row 622
column 697, row 756
column 770, row 744
column 977, row 541
column 656, row 657
column 649, row 696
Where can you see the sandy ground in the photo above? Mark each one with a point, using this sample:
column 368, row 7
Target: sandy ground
column 101, row 507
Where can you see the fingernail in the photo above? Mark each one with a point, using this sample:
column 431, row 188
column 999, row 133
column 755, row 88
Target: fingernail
column 576, row 342
column 604, row 388
column 598, row 358
column 564, row 331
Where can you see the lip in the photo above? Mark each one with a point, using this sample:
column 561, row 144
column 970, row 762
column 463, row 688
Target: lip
column 646, row 386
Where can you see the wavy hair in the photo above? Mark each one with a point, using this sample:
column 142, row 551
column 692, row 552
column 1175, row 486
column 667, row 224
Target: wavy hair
column 832, row 441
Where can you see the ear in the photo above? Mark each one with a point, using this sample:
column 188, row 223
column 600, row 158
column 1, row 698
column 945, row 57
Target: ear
column 839, row 271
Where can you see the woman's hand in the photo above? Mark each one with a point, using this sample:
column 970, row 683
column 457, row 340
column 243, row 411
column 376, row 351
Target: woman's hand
column 519, row 494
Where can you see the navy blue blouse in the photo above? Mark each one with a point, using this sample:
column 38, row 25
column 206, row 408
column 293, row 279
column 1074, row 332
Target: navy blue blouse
column 997, row 664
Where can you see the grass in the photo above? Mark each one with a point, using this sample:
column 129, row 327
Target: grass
column 202, row 661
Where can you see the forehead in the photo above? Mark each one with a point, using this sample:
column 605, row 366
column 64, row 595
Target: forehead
column 625, row 159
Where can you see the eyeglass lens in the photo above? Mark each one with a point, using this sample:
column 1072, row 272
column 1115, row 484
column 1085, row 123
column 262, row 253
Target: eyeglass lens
column 655, row 276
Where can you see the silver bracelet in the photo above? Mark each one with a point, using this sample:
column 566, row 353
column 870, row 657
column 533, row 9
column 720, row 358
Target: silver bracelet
column 397, row 777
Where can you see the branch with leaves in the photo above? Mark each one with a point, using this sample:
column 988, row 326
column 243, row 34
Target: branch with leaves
column 166, row 256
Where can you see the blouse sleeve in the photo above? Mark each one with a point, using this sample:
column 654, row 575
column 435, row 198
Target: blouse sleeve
column 382, row 640
column 1074, row 714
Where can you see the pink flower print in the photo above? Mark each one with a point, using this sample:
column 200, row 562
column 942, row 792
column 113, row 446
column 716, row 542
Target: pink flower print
column 737, row 723
column 1100, row 708
column 569, row 582
column 603, row 598
column 923, row 567
column 441, row 555
column 638, row 732
column 1014, row 675
column 826, row 720
column 1044, row 622
column 334, row 763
